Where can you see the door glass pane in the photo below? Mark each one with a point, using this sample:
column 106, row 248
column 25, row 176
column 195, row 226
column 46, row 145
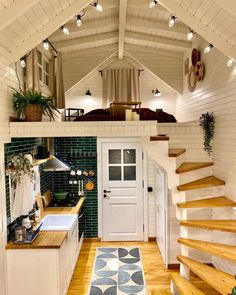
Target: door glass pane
column 130, row 173
column 114, row 156
column 114, row 173
column 129, row 156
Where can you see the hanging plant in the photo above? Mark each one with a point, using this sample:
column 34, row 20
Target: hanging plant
column 233, row 290
column 18, row 166
column 207, row 122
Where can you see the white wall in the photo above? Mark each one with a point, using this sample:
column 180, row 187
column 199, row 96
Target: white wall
column 76, row 96
column 217, row 94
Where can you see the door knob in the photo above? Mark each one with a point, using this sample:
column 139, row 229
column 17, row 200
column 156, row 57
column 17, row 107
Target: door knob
column 105, row 191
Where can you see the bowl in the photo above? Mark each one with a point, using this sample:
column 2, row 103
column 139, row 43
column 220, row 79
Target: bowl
column 61, row 196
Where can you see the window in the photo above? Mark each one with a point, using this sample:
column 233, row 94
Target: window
column 43, row 63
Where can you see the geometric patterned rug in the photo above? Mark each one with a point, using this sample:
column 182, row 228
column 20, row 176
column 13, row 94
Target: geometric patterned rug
column 118, row 271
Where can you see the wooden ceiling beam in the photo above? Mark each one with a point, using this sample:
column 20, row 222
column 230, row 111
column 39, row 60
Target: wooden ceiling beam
column 198, row 26
column 14, row 10
column 122, row 24
column 47, row 30
column 154, row 40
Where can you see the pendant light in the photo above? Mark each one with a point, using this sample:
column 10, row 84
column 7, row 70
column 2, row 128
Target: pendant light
column 172, row 20
column 23, row 62
column 230, row 62
column 190, row 35
column 65, row 30
column 153, row 3
column 97, row 6
column 78, row 18
column 88, row 93
column 208, row 48
column 45, row 44
column 156, row 92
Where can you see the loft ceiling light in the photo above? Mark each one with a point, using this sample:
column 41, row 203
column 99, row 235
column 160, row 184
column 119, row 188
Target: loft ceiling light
column 88, row 93
column 97, row 6
column 153, row 3
column 65, row 30
column 78, row 18
column 230, row 62
column 156, row 92
column 23, row 62
column 208, row 48
column 172, row 20
column 190, row 35
column 45, row 44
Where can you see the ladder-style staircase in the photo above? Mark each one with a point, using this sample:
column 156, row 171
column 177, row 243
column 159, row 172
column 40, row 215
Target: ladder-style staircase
column 217, row 279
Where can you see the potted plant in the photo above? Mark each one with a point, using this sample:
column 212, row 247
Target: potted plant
column 31, row 105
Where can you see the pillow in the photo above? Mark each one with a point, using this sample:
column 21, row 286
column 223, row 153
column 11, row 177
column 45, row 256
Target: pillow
column 98, row 112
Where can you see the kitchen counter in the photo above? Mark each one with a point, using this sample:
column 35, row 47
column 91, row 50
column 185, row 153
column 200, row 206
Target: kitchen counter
column 49, row 239
column 45, row 240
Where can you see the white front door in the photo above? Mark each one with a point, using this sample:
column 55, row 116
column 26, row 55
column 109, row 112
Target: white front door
column 161, row 213
column 122, row 192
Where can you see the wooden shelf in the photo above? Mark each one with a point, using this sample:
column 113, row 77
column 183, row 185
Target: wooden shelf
column 219, row 280
column 226, row 252
column 184, row 287
column 208, row 203
column 190, row 166
column 201, row 183
column 174, row 153
column 223, row 225
column 159, row 138
column 41, row 161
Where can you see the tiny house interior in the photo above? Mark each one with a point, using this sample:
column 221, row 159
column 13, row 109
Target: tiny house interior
column 117, row 147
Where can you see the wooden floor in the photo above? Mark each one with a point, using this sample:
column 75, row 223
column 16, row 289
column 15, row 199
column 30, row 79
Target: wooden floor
column 156, row 275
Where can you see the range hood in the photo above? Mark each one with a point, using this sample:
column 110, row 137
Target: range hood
column 55, row 164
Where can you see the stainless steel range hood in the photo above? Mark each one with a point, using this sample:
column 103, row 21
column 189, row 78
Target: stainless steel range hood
column 55, row 164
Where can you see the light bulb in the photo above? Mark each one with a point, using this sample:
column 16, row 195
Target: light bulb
column 45, row 45
column 230, row 62
column 22, row 62
column 65, row 30
column 78, row 21
column 98, row 7
column 172, row 21
column 152, row 4
column 190, row 35
column 208, row 48
column 156, row 92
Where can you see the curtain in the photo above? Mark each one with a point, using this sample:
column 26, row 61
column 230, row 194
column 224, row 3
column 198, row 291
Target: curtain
column 32, row 80
column 57, row 81
column 120, row 85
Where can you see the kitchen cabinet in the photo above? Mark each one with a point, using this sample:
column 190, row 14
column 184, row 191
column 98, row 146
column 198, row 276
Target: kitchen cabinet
column 46, row 271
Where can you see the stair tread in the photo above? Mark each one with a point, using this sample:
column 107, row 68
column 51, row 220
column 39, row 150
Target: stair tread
column 159, row 138
column 173, row 153
column 220, row 250
column 184, row 286
column 219, row 280
column 161, row 292
column 223, row 225
column 201, row 183
column 190, row 166
column 208, row 203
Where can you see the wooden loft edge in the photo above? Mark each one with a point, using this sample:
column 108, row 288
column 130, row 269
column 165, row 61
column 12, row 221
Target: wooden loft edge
column 174, row 153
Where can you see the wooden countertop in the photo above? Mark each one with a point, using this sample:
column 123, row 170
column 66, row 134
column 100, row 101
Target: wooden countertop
column 45, row 240
column 49, row 239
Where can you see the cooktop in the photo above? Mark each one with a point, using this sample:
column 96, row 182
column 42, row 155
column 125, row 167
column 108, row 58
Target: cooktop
column 71, row 201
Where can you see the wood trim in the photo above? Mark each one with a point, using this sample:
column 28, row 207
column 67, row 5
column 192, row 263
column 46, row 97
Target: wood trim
column 159, row 138
column 174, row 153
column 152, row 239
column 92, row 240
column 173, row 266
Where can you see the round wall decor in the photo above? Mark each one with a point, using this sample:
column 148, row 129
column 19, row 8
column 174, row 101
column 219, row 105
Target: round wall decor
column 199, row 71
column 196, row 56
column 192, row 80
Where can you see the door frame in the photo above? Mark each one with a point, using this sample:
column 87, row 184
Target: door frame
column 100, row 141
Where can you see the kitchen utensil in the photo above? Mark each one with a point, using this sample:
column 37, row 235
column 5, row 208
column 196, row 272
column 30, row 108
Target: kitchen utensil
column 75, row 181
column 79, row 191
column 82, row 187
column 70, row 182
column 60, row 196
column 79, row 172
column 72, row 172
column 89, row 185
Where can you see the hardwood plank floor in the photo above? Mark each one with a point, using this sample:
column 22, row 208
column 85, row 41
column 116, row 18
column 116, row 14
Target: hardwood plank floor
column 156, row 275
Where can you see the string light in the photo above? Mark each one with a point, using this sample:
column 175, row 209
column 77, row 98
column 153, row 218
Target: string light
column 230, row 62
column 208, row 48
column 156, row 92
column 153, row 3
column 190, row 35
column 172, row 20
column 78, row 20
column 23, row 62
column 97, row 6
column 65, row 30
column 45, row 44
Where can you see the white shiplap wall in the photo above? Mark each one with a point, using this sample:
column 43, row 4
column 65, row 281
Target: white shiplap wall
column 216, row 94
column 76, row 96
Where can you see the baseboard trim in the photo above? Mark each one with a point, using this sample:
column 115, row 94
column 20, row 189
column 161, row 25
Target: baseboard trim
column 151, row 239
column 89, row 240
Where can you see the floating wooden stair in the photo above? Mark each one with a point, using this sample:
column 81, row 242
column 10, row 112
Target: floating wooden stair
column 183, row 286
column 174, row 153
column 208, row 203
column 161, row 292
column 223, row 225
column 226, row 252
column 190, row 166
column 159, row 138
column 219, row 280
column 201, row 183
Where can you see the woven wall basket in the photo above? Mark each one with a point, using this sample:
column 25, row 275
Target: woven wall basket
column 33, row 113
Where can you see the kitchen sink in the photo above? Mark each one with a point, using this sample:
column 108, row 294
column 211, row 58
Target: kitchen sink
column 54, row 222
